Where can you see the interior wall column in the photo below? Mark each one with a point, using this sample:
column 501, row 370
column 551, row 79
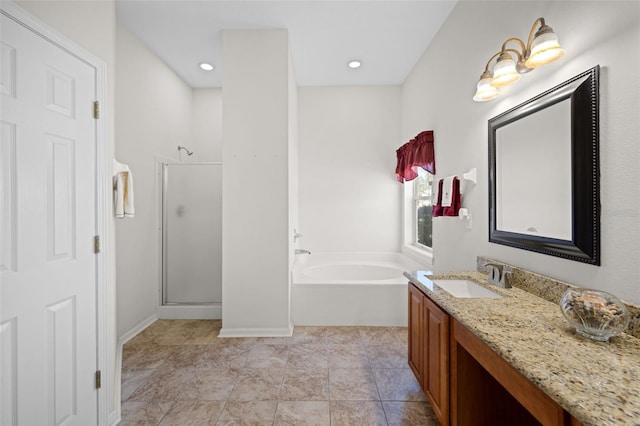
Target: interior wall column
column 255, row 243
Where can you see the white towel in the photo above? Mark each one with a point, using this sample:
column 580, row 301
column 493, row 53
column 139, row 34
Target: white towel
column 447, row 191
column 122, row 190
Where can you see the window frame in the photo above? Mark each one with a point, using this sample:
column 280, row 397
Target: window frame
column 416, row 199
column 410, row 246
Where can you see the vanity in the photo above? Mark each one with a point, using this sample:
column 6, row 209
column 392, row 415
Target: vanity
column 515, row 360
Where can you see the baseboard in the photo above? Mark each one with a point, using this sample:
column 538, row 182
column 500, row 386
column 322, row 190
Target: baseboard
column 190, row 311
column 256, row 332
column 137, row 329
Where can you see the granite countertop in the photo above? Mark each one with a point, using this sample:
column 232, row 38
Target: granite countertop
column 597, row 383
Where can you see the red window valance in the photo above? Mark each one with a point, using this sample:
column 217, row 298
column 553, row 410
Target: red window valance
column 418, row 152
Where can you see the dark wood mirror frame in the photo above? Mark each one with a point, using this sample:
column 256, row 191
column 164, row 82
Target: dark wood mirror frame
column 583, row 92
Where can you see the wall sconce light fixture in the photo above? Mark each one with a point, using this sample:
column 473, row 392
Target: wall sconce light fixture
column 542, row 48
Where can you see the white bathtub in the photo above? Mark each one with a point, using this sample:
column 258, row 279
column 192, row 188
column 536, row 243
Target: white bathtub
column 350, row 289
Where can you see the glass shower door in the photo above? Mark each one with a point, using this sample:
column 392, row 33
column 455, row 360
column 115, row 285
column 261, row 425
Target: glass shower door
column 192, row 234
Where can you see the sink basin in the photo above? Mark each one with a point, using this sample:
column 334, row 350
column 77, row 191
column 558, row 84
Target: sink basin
column 466, row 289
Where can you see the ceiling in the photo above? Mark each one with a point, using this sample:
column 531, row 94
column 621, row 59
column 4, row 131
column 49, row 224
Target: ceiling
column 388, row 36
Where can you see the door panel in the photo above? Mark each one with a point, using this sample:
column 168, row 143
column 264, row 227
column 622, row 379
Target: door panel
column 48, row 281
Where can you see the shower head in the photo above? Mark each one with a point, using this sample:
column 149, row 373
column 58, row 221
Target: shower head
column 185, row 150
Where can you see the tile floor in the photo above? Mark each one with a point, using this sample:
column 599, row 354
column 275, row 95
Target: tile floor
column 177, row 372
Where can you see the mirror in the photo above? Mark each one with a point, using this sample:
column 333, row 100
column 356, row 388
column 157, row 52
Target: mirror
column 544, row 172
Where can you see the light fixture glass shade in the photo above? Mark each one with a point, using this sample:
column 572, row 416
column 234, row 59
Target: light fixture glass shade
column 504, row 72
column 485, row 91
column 544, row 50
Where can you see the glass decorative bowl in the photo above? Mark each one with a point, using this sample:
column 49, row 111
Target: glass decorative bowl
column 595, row 314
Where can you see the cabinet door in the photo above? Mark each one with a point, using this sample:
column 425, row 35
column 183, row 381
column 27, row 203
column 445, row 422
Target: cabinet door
column 436, row 359
column 417, row 333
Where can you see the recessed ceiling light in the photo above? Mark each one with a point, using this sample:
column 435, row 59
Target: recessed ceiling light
column 207, row 67
column 354, row 64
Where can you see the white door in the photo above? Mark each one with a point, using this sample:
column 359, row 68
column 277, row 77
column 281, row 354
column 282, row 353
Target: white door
column 48, row 266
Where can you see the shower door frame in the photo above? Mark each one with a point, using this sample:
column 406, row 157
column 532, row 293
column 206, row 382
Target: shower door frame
column 164, row 237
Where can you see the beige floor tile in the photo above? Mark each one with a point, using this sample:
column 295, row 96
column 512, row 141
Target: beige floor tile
column 352, row 384
column 186, row 356
column 144, row 357
column 344, row 336
column 202, row 332
column 398, row 384
column 357, row 413
column 257, row 385
column 384, row 335
column 187, row 384
column 179, row 372
column 250, row 413
column 208, row 356
column 305, row 385
column 132, row 381
column 147, row 336
column 193, row 413
column 347, row 356
column 143, row 413
column 303, row 413
column 268, row 356
column 212, row 384
column 388, row 356
column 129, row 374
column 308, row 356
column 409, row 414
column 234, row 342
column 176, row 332
column 262, row 341
column 310, row 335
column 165, row 384
column 235, row 358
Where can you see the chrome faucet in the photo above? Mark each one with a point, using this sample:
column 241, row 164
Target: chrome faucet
column 300, row 251
column 498, row 274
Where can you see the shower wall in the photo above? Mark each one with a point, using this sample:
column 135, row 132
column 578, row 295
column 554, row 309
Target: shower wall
column 192, row 234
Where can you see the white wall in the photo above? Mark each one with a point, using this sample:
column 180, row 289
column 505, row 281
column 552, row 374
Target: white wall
column 349, row 198
column 256, row 247
column 153, row 116
column 207, row 126
column 92, row 26
column 294, row 160
column 438, row 97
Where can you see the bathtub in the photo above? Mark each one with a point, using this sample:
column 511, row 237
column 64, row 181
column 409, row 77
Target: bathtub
column 350, row 289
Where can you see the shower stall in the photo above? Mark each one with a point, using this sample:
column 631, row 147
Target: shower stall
column 192, row 239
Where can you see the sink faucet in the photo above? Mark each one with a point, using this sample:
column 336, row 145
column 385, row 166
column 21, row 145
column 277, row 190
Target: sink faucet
column 300, row 251
column 498, row 274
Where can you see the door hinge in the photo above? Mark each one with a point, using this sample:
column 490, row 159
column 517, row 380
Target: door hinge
column 98, row 379
column 96, row 244
column 96, row 110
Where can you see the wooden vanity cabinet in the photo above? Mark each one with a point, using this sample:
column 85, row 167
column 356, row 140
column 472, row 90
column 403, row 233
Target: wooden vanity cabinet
column 429, row 350
column 485, row 389
column 416, row 332
column 466, row 382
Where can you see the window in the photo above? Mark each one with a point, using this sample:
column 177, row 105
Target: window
column 422, row 224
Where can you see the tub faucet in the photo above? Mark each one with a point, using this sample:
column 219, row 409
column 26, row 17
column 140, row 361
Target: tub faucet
column 498, row 274
column 300, row 251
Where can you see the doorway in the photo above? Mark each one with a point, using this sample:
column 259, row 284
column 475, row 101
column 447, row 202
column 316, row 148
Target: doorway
column 192, row 237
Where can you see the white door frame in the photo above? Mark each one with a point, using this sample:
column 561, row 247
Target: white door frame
column 103, row 186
